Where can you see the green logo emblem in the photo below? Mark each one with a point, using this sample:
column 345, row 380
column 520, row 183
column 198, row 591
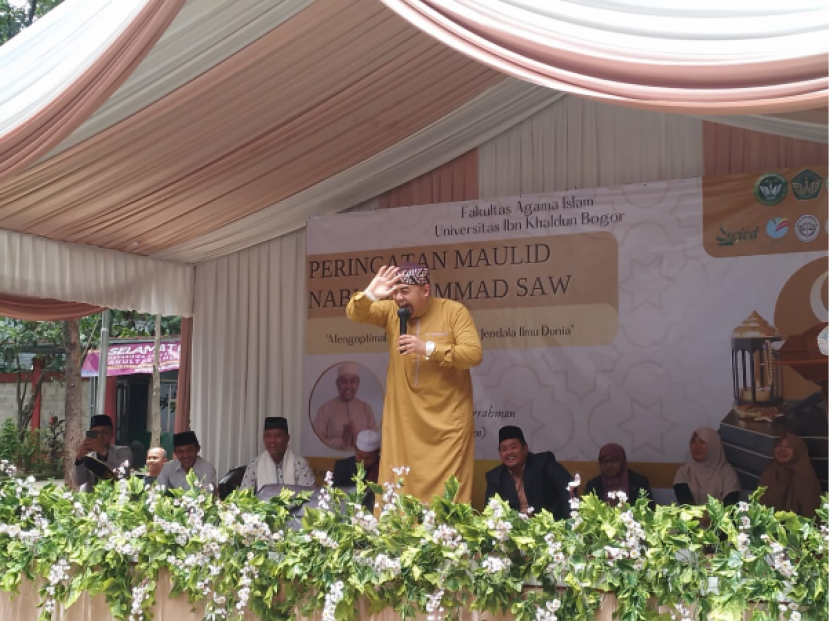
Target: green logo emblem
column 806, row 185
column 770, row 189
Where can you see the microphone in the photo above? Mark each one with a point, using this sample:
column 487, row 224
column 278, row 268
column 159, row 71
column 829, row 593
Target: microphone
column 404, row 314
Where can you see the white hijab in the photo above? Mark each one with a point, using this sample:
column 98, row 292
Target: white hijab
column 711, row 477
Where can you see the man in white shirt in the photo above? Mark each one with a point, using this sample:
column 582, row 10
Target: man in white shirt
column 186, row 450
column 278, row 464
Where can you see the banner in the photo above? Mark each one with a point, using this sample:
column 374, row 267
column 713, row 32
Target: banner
column 131, row 358
column 606, row 315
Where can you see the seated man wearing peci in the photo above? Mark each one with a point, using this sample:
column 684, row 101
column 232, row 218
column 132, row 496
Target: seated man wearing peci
column 186, row 450
column 527, row 479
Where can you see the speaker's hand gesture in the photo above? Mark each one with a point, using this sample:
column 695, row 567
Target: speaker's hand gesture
column 384, row 283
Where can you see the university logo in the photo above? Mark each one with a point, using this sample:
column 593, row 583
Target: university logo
column 778, row 227
column 730, row 238
column 807, row 228
column 806, row 185
column 770, row 189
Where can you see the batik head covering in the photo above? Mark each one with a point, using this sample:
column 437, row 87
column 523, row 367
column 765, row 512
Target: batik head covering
column 792, row 486
column 711, row 477
column 413, row 274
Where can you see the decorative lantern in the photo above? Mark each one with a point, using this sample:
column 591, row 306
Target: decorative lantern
column 756, row 378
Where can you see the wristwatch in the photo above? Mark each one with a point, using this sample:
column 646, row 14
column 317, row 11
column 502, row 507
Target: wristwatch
column 430, row 349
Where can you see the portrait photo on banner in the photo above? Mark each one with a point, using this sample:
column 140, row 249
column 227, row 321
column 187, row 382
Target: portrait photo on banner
column 347, row 398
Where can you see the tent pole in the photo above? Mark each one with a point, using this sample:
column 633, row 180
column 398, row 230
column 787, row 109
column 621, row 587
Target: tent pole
column 100, row 399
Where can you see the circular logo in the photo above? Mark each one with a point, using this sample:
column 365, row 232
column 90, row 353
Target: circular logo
column 778, row 227
column 770, row 189
column 807, row 228
column 822, row 341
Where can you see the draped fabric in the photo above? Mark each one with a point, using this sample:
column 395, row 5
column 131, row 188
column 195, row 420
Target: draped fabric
column 247, row 348
column 160, row 177
column 459, row 131
column 38, row 309
column 183, row 391
column 730, row 57
column 456, row 180
column 46, row 95
column 577, row 143
column 809, row 125
column 34, row 267
column 730, row 150
column 204, row 34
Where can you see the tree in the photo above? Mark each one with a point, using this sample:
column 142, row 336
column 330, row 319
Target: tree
column 15, row 15
column 21, row 343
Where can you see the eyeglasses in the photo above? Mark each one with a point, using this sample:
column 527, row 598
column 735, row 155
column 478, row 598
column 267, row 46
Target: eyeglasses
column 609, row 460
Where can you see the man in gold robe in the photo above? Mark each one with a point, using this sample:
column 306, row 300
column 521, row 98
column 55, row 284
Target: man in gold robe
column 428, row 408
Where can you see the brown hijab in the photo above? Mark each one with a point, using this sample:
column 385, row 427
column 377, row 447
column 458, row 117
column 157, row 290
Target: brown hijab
column 792, row 486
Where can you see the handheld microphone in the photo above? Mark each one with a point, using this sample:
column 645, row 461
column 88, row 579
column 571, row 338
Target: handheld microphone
column 404, row 314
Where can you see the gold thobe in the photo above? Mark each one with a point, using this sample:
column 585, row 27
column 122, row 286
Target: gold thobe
column 428, row 407
column 336, row 415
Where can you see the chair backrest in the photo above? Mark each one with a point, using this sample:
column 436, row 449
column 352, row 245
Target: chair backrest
column 231, row 481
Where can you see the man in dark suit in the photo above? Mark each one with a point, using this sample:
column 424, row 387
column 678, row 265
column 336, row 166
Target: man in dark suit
column 367, row 452
column 528, row 479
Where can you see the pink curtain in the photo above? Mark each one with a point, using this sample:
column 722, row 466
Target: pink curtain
column 642, row 55
column 730, row 150
column 457, row 180
column 39, row 309
column 185, row 363
column 82, row 97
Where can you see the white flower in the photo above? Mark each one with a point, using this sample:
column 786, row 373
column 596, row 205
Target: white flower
column 333, row 597
column 494, row 564
column 324, row 540
column 385, row 563
column 434, row 608
column 548, row 613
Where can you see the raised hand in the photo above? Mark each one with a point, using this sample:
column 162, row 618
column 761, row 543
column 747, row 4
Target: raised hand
column 384, row 283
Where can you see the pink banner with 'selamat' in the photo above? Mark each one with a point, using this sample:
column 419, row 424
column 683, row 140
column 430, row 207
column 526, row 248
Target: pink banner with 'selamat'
column 132, row 358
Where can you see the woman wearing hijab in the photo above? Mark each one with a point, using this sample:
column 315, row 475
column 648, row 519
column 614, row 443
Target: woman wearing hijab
column 616, row 477
column 791, row 481
column 707, row 473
